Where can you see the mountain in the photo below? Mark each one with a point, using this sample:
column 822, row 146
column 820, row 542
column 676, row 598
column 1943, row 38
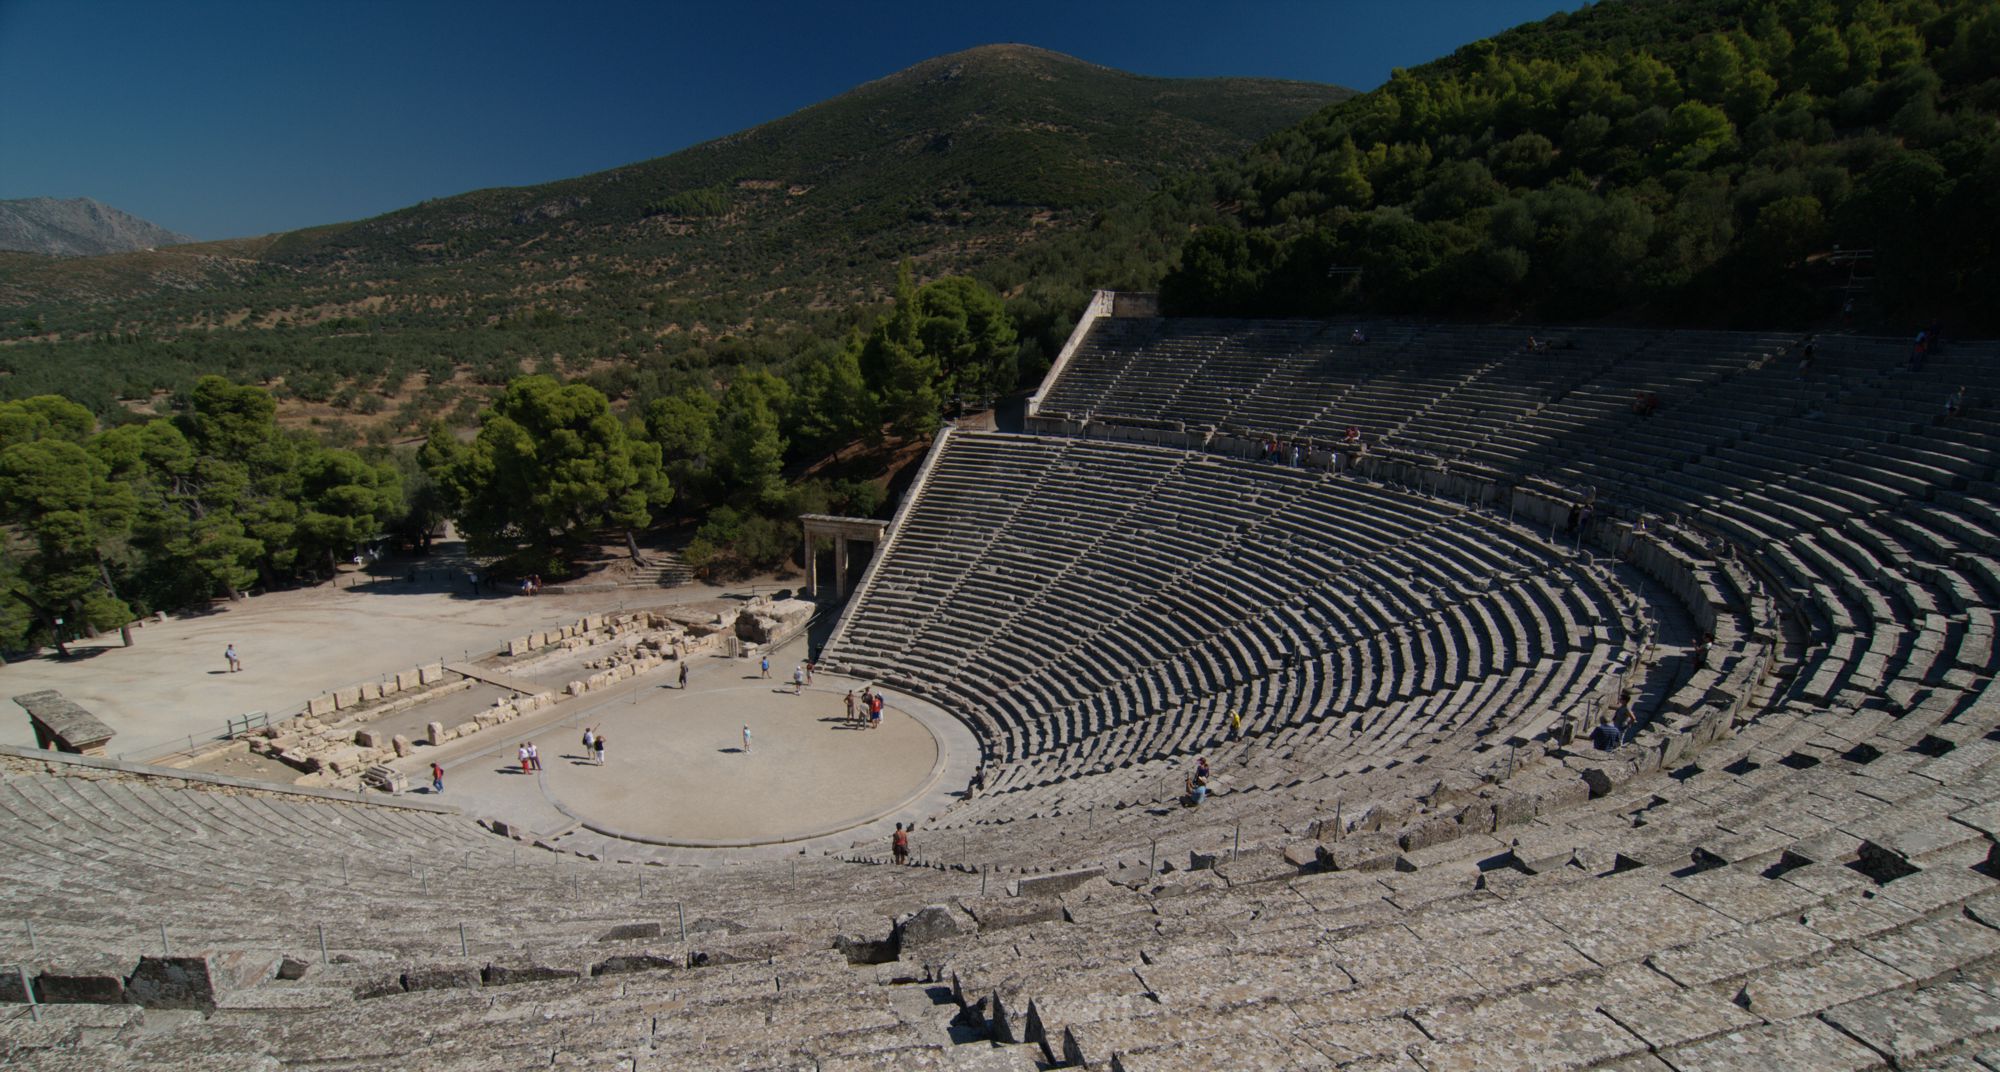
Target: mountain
column 77, row 227
column 951, row 164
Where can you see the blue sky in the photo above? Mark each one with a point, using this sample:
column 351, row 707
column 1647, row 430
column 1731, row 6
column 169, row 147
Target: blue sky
column 225, row 119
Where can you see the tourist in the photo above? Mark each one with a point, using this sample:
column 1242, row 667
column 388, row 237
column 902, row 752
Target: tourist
column 875, row 712
column 1201, row 767
column 229, row 655
column 589, row 741
column 534, row 756
column 437, row 779
column 684, row 673
column 1235, row 724
column 764, row 666
column 1298, row 456
column 1954, row 403
column 746, row 738
column 850, row 707
column 522, row 752
column 899, row 844
column 1806, row 360
column 798, row 679
column 599, row 745
column 1352, row 435
column 1605, row 737
column 1358, row 337
column 1625, row 721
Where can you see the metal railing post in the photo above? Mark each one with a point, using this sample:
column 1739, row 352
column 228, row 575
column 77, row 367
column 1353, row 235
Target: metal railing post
column 28, row 994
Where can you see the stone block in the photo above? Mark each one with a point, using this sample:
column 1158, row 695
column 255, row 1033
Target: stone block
column 634, row 962
column 434, row 732
column 391, row 687
column 430, row 674
column 509, row 974
column 1302, row 855
column 517, row 646
column 194, row 982
column 371, row 691
column 347, row 697
column 1060, row 882
column 1424, row 833
column 320, row 706
column 574, row 688
column 931, row 923
column 292, row 970
column 1202, row 861
column 408, row 679
column 86, row 981
column 441, row 978
column 994, row 913
column 466, row 729
column 1372, row 851
column 630, row 932
column 368, row 738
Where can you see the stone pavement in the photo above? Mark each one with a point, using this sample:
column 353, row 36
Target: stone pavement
column 295, row 644
column 677, row 786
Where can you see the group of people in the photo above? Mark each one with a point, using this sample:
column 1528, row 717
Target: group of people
column 593, row 744
column 530, row 757
column 1623, row 726
column 1298, row 452
column 1197, row 784
column 531, row 584
column 865, row 709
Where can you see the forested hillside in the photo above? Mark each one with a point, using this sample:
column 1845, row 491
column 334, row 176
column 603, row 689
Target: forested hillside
column 1681, row 161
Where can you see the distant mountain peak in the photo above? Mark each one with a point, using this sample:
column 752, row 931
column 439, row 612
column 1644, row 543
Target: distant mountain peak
column 77, row 227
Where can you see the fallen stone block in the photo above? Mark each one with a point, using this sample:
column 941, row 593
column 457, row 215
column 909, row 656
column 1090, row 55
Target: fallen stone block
column 434, row 732
column 401, row 745
column 466, row 729
column 1302, row 855
column 368, row 738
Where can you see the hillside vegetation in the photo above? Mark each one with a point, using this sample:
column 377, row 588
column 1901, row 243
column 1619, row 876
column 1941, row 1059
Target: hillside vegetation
column 727, row 253
column 1677, row 161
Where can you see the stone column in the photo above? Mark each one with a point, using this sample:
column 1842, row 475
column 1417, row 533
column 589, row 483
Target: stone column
column 840, row 567
column 812, row 564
